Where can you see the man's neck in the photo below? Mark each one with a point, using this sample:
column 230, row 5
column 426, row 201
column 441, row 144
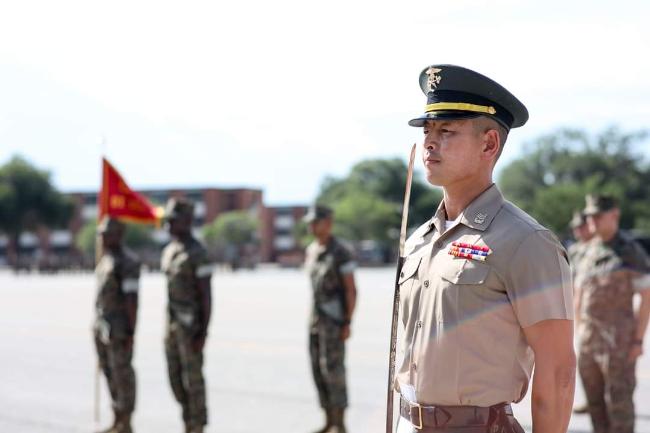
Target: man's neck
column 182, row 237
column 459, row 196
column 324, row 240
column 607, row 237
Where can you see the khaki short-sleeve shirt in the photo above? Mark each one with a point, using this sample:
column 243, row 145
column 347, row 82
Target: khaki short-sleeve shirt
column 463, row 342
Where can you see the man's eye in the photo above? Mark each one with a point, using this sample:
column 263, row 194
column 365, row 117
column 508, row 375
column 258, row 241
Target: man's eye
column 445, row 131
column 425, row 131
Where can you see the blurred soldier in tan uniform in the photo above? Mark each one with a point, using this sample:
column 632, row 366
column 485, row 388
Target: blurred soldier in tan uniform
column 184, row 262
column 613, row 269
column 118, row 274
column 582, row 234
column 486, row 290
column 330, row 268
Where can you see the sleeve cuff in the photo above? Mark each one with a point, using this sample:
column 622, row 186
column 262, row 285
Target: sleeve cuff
column 641, row 283
column 204, row 271
column 348, row 267
column 130, row 285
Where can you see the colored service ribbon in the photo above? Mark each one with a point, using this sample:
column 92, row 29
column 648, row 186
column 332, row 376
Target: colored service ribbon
column 457, row 253
column 473, row 247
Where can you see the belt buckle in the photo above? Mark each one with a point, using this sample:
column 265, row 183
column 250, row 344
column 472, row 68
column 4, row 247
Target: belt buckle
column 411, row 406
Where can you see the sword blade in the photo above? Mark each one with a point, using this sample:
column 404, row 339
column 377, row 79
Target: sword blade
column 400, row 261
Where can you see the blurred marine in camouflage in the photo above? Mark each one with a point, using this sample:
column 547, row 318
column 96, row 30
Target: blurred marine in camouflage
column 118, row 273
column 330, row 268
column 185, row 263
column 582, row 234
column 612, row 270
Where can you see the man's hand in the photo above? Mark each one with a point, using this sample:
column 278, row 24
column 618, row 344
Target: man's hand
column 635, row 352
column 345, row 332
column 198, row 342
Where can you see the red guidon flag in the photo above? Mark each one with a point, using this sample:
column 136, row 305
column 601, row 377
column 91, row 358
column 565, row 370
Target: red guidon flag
column 119, row 201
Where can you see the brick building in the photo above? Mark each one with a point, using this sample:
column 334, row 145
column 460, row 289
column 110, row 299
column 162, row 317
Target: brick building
column 276, row 224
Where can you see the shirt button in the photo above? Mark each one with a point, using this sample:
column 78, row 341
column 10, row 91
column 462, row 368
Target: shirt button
column 401, row 274
column 419, row 323
column 415, row 367
column 426, row 283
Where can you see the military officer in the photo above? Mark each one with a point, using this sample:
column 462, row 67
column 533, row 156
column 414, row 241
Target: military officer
column 118, row 274
column 185, row 263
column 613, row 270
column 486, row 290
column 330, row 266
column 582, row 234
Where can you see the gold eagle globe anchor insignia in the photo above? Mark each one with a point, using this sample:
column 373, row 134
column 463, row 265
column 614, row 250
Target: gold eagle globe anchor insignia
column 434, row 78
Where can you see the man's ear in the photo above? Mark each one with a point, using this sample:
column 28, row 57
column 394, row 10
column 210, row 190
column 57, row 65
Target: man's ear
column 491, row 144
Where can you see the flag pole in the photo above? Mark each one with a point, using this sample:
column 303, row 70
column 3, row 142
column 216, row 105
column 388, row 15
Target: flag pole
column 98, row 254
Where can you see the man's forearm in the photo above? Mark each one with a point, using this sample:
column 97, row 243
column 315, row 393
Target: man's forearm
column 132, row 311
column 206, row 304
column 552, row 397
column 643, row 314
column 350, row 297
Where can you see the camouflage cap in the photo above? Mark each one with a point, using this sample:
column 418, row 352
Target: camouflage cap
column 178, row 208
column 317, row 212
column 597, row 203
column 579, row 218
column 110, row 225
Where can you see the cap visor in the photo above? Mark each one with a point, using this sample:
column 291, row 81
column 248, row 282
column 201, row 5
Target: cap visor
column 442, row 115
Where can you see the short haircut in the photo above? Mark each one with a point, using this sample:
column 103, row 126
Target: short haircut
column 483, row 124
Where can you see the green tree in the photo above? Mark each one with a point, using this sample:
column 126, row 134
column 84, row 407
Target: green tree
column 231, row 233
column 551, row 178
column 384, row 179
column 28, row 200
column 368, row 201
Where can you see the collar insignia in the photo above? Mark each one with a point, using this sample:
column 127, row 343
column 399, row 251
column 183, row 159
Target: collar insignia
column 480, row 218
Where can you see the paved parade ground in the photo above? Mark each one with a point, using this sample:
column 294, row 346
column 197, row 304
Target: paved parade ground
column 257, row 367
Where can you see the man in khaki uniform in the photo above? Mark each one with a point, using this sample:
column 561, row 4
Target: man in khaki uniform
column 184, row 262
column 613, row 270
column 118, row 278
column 486, row 290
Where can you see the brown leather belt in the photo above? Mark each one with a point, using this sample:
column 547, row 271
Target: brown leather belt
column 450, row 416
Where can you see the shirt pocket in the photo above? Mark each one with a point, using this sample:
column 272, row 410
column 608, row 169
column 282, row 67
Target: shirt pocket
column 407, row 283
column 409, row 271
column 468, row 273
column 465, row 297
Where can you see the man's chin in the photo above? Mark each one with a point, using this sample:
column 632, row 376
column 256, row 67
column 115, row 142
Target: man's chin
column 434, row 179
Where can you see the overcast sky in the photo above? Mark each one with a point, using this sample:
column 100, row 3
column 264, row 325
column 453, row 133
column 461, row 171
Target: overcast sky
column 278, row 94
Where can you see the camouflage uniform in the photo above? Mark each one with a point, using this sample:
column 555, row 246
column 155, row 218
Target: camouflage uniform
column 606, row 276
column 117, row 276
column 326, row 266
column 184, row 263
column 575, row 252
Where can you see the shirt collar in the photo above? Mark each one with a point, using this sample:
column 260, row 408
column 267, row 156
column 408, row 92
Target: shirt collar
column 477, row 215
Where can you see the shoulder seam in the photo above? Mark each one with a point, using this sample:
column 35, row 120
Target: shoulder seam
column 535, row 228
